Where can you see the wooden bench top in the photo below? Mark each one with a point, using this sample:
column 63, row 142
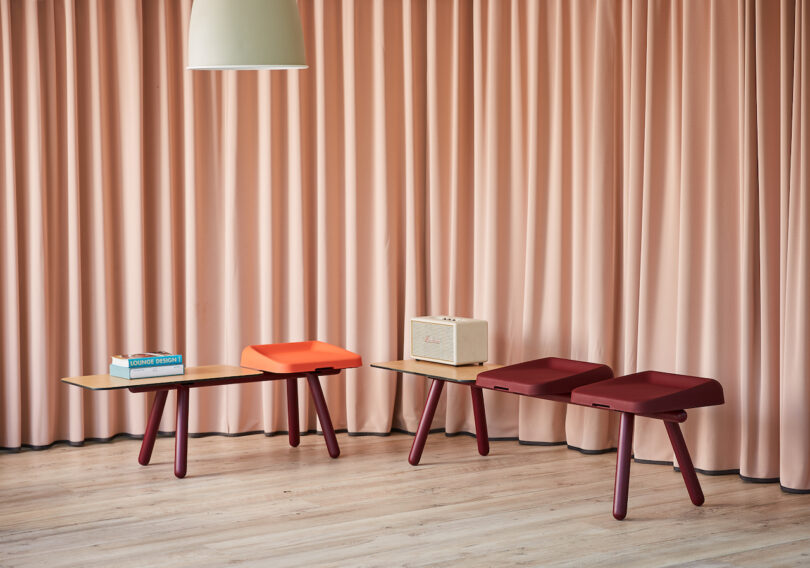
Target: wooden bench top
column 192, row 375
column 460, row 374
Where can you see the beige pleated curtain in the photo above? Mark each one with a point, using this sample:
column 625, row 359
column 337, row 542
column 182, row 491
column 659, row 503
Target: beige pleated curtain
column 621, row 182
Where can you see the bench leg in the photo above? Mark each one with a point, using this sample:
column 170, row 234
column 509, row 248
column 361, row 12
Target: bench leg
column 424, row 423
column 292, row 412
column 685, row 463
column 622, row 482
column 181, row 434
column 152, row 427
column 481, row 434
column 323, row 415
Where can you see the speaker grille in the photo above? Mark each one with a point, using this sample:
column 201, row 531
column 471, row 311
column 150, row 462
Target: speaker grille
column 432, row 340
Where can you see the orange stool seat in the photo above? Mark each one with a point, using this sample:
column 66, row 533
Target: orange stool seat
column 303, row 359
column 298, row 357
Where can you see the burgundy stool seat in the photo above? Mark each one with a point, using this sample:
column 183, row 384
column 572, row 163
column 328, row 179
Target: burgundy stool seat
column 309, row 359
column 653, row 394
column 650, row 392
column 541, row 377
column 656, row 395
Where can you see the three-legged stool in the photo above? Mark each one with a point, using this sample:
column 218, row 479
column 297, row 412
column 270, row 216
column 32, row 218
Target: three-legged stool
column 651, row 394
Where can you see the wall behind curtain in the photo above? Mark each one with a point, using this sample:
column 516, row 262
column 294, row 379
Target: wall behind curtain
column 618, row 182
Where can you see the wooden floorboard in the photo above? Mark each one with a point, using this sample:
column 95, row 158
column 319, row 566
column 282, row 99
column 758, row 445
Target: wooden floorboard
column 254, row 501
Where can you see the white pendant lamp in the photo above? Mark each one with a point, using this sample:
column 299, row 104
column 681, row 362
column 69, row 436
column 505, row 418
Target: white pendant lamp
column 245, row 34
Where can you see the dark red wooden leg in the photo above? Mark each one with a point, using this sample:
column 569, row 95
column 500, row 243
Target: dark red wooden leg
column 481, row 434
column 623, row 466
column 152, row 427
column 424, row 423
column 323, row 415
column 292, row 412
column 685, row 463
column 181, row 434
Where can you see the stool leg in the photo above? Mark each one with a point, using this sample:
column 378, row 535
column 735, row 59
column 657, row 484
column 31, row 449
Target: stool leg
column 181, row 434
column 622, row 482
column 685, row 463
column 481, row 434
column 323, row 415
column 424, row 423
column 292, row 412
column 152, row 427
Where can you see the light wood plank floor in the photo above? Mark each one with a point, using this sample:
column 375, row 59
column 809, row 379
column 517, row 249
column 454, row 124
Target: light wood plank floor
column 255, row 501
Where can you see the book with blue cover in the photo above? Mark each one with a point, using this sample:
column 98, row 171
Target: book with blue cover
column 146, row 372
column 148, row 359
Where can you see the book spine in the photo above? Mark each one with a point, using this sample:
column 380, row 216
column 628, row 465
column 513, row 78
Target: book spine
column 145, row 372
column 150, row 361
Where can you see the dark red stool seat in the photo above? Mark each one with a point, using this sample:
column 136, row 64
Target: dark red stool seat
column 663, row 396
column 547, row 376
column 650, row 392
column 656, row 395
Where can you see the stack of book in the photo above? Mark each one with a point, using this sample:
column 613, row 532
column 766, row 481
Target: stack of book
column 145, row 365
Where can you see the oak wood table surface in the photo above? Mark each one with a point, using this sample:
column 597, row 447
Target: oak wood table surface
column 209, row 375
column 440, row 374
column 192, row 375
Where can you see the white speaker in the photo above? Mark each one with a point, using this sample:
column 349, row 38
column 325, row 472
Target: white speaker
column 449, row 340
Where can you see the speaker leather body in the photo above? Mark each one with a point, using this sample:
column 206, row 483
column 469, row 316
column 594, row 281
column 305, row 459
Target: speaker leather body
column 449, row 340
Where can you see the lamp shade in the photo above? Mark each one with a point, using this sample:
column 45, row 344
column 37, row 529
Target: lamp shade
column 245, row 34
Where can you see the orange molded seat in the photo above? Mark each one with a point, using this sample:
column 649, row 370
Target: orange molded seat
column 547, row 376
column 650, row 392
column 298, row 357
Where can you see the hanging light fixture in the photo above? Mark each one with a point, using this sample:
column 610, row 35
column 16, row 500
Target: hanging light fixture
column 245, row 34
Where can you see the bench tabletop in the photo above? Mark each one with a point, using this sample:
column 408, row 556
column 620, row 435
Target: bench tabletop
column 192, row 375
column 460, row 374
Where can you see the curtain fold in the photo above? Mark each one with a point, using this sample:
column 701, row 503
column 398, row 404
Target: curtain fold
column 617, row 182
column 795, row 150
